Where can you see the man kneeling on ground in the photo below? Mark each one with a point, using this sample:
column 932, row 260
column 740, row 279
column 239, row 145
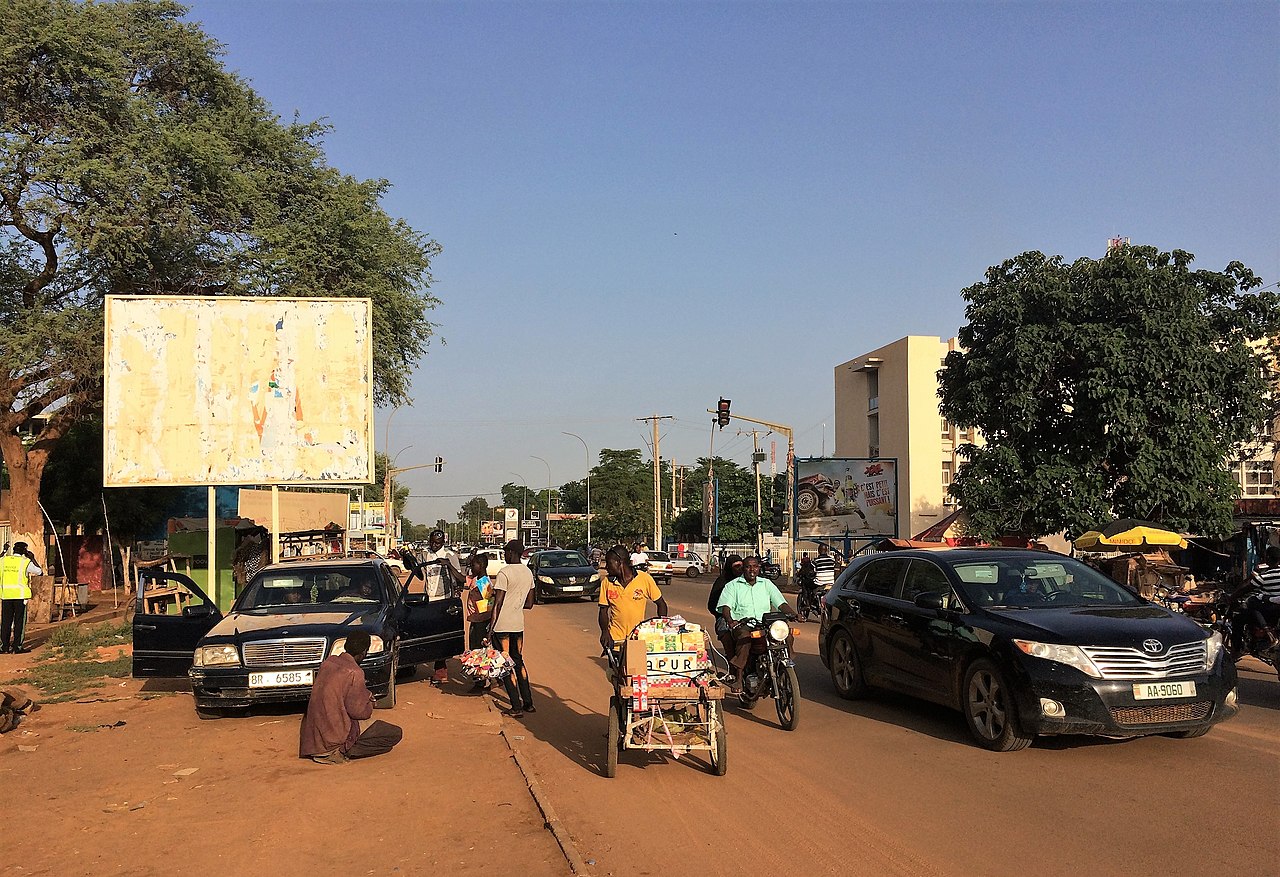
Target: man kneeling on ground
column 339, row 701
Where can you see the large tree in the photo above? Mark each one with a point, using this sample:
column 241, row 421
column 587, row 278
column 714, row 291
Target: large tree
column 1112, row 387
column 133, row 162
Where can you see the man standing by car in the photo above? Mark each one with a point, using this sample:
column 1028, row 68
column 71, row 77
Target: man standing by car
column 440, row 570
column 749, row 596
column 16, row 570
column 340, row 700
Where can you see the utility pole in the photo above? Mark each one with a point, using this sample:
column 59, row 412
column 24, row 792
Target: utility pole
column 657, row 478
column 756, row 458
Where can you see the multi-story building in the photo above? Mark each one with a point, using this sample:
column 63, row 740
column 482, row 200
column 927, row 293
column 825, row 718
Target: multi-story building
column 887, row 406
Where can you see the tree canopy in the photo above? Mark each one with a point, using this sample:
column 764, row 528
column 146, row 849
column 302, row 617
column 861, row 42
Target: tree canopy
column 133, row 162
column 1115, row 387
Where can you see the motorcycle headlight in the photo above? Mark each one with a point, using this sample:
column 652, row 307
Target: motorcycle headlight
column 1212, row 648
column 778, row 631
column 340, row 646
column 217, row 656
column 546, row 580
column 1072, row 656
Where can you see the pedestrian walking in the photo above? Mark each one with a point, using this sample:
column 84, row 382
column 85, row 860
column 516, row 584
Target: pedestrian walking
column 477, row 608
column 16, row 570
column 340, row 700
column 512, row 595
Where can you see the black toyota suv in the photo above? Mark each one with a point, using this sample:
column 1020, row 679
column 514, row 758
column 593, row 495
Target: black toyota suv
column 1023, row 643
column 289, row 618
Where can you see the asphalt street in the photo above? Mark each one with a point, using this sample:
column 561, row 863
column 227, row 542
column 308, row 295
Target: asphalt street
column 889, row 785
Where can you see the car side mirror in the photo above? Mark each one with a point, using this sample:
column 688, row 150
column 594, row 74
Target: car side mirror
column 931, row 600
column 200, row 610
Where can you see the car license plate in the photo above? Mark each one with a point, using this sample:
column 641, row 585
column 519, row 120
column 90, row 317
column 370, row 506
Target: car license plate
column 1163, row 690
column 572, row 589
column 280, row 678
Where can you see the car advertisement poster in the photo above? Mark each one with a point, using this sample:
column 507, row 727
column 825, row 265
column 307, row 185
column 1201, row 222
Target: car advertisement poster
column 846, row 496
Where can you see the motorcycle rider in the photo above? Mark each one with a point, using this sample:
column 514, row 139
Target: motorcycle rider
column 730, row 569
column 1262, row 608
column 749, row 596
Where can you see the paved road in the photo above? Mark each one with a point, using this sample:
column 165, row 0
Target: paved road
column 893, row 786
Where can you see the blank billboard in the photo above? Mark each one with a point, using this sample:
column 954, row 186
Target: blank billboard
column 224, row 391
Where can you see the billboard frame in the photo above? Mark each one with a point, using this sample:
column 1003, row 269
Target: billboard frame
column 847, row 534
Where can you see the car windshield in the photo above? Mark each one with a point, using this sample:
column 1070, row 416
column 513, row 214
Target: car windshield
column 561, row 559
column 1027, row 582
column 312, row 589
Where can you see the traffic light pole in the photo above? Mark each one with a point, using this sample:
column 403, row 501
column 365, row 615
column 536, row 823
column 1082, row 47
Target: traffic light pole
column 389, row 501
column 791, row 457
column 755, row 468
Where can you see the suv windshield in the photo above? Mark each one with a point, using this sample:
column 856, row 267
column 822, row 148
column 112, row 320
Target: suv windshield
column 561, row 559
column 1024, row 582
column 310, row 589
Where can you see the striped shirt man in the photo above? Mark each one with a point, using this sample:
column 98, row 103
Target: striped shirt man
column 1266, row 578
column 824, row 567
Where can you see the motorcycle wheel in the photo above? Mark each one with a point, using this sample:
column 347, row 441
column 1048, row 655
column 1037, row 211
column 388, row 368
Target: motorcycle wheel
column 614, row 741
column 787, row 699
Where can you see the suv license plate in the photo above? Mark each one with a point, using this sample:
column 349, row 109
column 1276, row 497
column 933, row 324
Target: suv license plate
column 1163, row 690
column 572, row 589
column 280, row 678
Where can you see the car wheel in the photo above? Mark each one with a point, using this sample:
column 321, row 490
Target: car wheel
column 989, row 709
column 693, row 572
column 388, row 700
column 806, row 501
column 846, row 669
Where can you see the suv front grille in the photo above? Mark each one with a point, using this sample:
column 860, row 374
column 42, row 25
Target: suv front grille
column 1161, row 715
column 1124, row 663
column 284, row 652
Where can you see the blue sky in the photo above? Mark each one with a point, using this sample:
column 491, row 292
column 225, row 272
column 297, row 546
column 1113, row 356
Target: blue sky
column 646, row 206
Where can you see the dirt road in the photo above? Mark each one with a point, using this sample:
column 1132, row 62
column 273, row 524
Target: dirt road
column 892, row 786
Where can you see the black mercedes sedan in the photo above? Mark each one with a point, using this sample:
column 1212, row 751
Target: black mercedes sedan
column 1023, row 643
column 289, row 618
column 559, row 574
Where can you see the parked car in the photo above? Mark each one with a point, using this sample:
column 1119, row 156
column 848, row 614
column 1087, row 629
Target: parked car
column 691, row 565
column 1023, row 643
column 495, row 560
column 559, row 574
column 288, row 619
column 660, row 566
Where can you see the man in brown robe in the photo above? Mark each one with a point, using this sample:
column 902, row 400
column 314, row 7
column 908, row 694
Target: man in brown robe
column 339, row 701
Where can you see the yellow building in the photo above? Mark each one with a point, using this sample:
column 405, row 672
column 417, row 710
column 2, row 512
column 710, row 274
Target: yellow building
column 887, row 406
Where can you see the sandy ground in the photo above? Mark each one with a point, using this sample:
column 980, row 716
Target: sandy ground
column 166, row 793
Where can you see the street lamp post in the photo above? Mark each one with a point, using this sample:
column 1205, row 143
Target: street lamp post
column 387, row 504
column 548, row 465
column 587, row 452
column 524, row 497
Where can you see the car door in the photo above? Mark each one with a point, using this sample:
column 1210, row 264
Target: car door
column 875, row 630
column 171, row 616
column 430, row 628
column 925, row 639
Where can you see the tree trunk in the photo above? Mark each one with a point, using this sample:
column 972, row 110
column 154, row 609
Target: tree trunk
column 26, row 468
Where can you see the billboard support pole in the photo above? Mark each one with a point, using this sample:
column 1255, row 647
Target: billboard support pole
column 275, row 522
column 212, row 548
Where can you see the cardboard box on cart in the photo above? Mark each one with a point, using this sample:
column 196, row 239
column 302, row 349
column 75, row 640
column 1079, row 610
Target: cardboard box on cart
column 635, row 658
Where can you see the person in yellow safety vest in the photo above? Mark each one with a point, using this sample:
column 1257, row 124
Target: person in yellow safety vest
column 16, row 570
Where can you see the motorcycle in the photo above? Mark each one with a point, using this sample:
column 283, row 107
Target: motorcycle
column 808, row 598
column 1239, row 635
column 770, row 670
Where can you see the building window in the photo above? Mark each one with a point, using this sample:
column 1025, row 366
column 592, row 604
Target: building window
column 873, row 390
column 1256, row 477
column 947, row 469
column 946, row 429
column 873, row 435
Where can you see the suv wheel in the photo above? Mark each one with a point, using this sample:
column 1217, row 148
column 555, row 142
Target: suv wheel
column 846, row 669
column 989, row 709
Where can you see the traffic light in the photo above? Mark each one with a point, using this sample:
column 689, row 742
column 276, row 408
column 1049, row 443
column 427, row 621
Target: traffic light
column 779, row 519
column 722, row 412
column 439, row 464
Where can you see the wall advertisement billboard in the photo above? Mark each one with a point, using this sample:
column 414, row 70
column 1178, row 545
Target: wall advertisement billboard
column 854, row 497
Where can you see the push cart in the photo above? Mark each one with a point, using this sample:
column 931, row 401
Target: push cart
column 658, row 708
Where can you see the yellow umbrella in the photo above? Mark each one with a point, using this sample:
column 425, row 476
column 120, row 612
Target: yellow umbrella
column 1129, row 534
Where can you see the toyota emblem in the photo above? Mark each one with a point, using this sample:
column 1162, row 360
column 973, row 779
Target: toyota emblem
column 1152, row 646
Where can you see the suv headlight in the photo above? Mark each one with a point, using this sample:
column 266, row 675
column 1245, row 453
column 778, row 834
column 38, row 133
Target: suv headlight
column 340, row 645
column 1212, row 648
column 778, row 631
column 546, row 580
column 217, row 656
column 1072, row 656
column 595, row 577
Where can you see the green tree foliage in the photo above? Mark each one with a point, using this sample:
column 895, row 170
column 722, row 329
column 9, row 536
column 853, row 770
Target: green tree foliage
column 737, row 501
column 1116, row 387
column 133, row 162
column 474, row 511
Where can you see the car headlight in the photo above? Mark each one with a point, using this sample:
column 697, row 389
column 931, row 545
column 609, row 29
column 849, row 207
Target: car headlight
column 778, row 631
column 546, row 580
column 216, row 656
column 1072, row 656
column 595, row 577
column 1212, row 648
column 340, row 646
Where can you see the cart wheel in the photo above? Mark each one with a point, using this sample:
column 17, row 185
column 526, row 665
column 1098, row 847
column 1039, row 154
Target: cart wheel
column 787, row 700
column 719, row 754
column 615, row 740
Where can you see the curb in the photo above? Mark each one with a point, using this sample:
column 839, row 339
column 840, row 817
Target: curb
column 577, row 864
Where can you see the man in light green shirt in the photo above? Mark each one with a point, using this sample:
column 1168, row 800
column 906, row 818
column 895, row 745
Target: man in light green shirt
column 749, row 596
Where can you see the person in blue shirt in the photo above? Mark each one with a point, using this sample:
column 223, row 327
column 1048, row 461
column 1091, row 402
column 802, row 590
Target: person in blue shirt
column 749, row 596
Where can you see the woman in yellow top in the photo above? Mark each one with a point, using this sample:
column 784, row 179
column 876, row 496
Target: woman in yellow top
column 624, row 597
